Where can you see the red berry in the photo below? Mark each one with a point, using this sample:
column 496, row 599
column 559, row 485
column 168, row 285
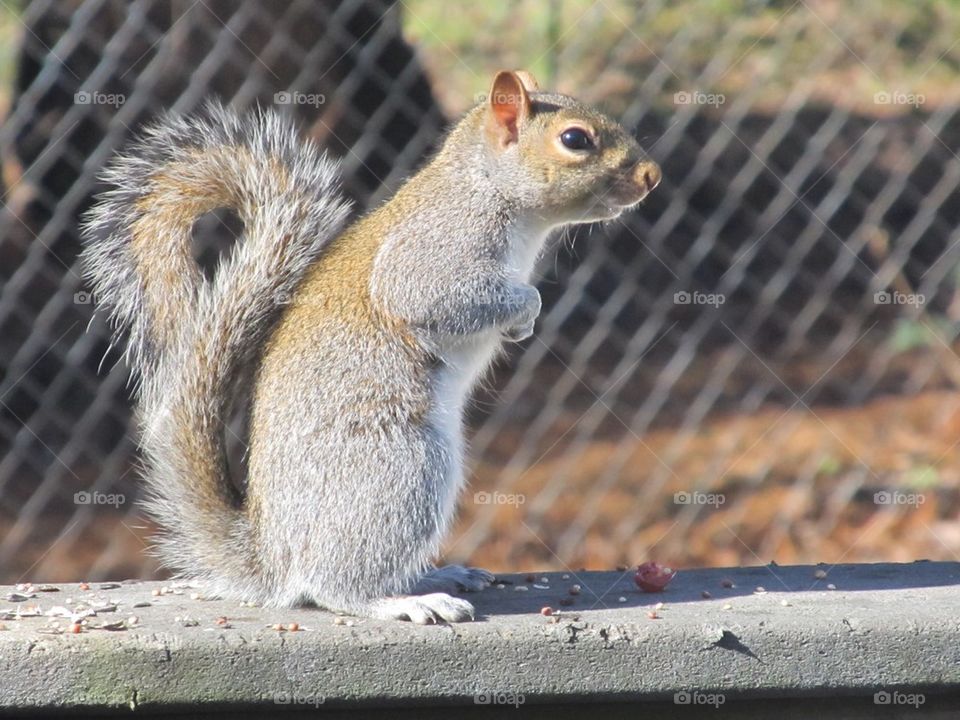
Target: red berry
column 653, row 577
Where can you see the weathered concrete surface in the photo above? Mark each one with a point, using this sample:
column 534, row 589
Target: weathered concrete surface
column 884, row 628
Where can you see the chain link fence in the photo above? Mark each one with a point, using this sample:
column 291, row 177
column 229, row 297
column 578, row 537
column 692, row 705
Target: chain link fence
column 758, row 364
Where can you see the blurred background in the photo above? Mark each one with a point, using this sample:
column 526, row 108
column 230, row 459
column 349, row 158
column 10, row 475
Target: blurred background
column 758, row 364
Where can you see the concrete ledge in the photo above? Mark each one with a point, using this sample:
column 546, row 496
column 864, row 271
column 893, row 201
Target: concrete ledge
column 889, row 629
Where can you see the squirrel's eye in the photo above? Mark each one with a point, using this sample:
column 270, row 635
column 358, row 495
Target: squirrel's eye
column 576, row 139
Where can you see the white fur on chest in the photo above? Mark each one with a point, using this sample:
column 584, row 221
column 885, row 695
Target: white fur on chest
column 524, row 243
column 467, row 359
column 452, row 383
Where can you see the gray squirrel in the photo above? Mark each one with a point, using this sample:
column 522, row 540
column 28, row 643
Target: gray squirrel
column 361, row 375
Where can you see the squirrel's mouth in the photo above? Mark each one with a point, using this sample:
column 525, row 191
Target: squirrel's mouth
column 623, row 191
column 616, row 202
column 608, row 208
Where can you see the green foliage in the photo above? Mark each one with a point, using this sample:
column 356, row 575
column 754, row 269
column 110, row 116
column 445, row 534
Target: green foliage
column 829, row 465
column 10, row 31
column 843, row 52
column 912, row 334
column 922, row 477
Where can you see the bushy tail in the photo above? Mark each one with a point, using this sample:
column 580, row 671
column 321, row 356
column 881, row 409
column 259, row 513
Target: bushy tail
column 189, row 337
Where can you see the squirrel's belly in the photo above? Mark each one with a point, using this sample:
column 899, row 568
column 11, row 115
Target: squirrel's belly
column 456, row 376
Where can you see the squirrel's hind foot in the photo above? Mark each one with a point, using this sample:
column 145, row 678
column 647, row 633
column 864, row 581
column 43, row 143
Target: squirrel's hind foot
column 422, row 609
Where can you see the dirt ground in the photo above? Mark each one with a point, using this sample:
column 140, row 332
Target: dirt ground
column 802, row 486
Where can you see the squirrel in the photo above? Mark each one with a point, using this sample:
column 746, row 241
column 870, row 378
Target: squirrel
column 365, row 339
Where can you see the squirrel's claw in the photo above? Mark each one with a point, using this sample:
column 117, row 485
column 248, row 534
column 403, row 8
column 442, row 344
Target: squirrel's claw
column 518, row 333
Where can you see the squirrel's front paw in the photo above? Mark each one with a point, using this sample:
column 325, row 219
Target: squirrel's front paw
column 522, row 327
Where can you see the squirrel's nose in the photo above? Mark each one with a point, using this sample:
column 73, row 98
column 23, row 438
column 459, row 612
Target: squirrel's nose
column 647, row 174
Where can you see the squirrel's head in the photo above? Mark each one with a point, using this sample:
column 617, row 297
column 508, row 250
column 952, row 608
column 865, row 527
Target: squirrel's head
column 563, row 160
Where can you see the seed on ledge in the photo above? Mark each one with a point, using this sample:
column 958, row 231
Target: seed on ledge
column 705, row 595
column 819, row 574
column 727, row 583
column 574, row 590
column 566, row 602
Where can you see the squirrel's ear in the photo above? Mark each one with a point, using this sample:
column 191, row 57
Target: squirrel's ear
column 528, row 80
column 509, row 106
